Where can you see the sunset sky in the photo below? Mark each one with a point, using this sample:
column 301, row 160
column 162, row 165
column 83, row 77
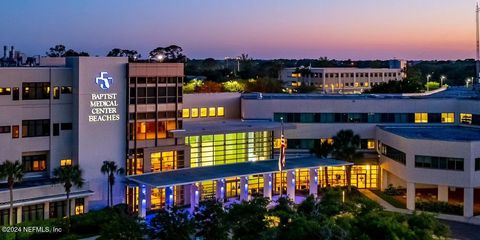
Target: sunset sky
column 341, row 29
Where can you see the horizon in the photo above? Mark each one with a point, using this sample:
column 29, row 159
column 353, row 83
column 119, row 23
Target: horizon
column 366, row 30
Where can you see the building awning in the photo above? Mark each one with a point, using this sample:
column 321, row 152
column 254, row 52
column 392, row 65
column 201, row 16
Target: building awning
column 192, row 175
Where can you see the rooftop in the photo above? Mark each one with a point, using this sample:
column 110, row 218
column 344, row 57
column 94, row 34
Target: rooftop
column 441, row 133
column 451, row 92
column 192, row 175
column 198, row 128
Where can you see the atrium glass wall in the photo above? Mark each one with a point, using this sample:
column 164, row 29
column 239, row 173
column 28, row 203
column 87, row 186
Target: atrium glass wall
column 218, row 149
column 363, row 176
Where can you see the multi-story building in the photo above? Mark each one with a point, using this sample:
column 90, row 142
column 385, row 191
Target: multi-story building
column 180, row 149
column 340, row 80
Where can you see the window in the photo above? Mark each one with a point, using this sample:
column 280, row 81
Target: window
column 371, row 144
column 448, row 117
column 466, row 118
column 220, row 111
column 66, row 90
column 32, row 212
column 16, row 94
column 4, row 129
column 163, row 161
column 185, row 113
column 36, row 128
column 421, row 118
column 35, row 90
column 15, row 131
column 56, row 93
column 211, row 112
column 34, row 163
column 203, row 112
column 444, row 163
column 477, row 164
column 79, row 206
column 56, row 129
column 66, row 126
column 393, row 154
column 194, row 112
column 5, row 216
column 5, row 91
column 58, row 209
column 66, row 162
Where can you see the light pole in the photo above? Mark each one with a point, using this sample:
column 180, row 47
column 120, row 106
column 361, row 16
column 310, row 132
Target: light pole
column 442, row 78
column 468, row 80
column 428, row 80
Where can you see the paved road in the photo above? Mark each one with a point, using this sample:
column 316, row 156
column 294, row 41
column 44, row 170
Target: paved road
column 463, row 231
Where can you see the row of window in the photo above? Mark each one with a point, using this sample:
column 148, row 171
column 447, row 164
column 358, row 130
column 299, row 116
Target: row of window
column 35, row 128
column 468, row 118
column 203, row 112
column 152, row 129
column 433, row 162
column 365, row 144
column 36, row 91
column 155, row 80
column 351, row 75
column 365, row 117
column 153, row 95
column 393, row 154
column 153, row 115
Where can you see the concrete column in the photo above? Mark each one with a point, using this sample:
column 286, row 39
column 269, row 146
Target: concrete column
column 313, row 183
column 148, row 197
column 410, row 195
column 85, row 205
column 19, row 214
column 267, row 185
column 291, row 184
column 220, row 190
column 384, row 180
column 142, row 202
column 244, row 188
column 169, row 197
column 46, row 210
column 468, row 202
column 194, row 196
column 72, row 206
column 442, row 193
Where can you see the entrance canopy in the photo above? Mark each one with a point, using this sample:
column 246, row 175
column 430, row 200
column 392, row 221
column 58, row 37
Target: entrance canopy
column 192, row 175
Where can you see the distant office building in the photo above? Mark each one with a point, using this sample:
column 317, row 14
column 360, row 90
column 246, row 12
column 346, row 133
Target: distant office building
column 342, row 80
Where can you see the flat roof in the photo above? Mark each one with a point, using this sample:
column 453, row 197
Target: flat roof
column 440, row 133
column 198, row 128
column 192, row 175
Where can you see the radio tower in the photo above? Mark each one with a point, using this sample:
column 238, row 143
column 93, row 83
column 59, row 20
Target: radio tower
column 477, row 62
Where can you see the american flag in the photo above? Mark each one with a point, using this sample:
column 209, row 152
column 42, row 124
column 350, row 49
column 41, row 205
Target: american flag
column 281, row 159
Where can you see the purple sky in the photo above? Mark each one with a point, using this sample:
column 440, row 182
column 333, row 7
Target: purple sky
column 341, row 29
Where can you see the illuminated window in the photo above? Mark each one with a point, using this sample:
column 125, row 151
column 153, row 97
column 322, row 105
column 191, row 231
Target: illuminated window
column 211, row 112
column 366, row 84
column 5, row 91
column 194, row 112
column 277, row 143
column 356, row 84
column 296, row 75
column 220, row 111
column 163, row 161
column 421, row 118
column 185, row 113
column 66, row 162
column 466, row 118
column 203, row 112
column 371, row 144
column 448, row 117
column 79, row 206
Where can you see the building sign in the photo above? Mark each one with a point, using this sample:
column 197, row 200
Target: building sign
column 104, row 106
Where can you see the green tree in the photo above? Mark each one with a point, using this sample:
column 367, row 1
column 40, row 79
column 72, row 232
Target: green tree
column 345, row 147
column 13, row 172
column 111, row 169
column 172, row 53
column 247, row 219
column 172, row 224
column 122, row 226
column 234, row 86
column 70, row 176
column 56, row 51
column 210, row 220
column 284, row 210
column 117, row 52
column 264, row 85
column 190, row 87
column 322, row 149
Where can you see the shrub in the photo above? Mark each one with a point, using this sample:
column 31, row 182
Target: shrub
column 392, row 191
column 440, row 207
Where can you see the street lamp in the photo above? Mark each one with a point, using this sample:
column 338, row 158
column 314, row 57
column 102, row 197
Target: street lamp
column 468, row 80
column 442, row 78
column 428, row 80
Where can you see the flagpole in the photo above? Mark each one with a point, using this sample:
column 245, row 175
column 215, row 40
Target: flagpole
column 281, row 156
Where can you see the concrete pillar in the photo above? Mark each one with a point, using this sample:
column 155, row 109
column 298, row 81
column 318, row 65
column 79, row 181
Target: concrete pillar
column 244, row 188
column 313, row 183
column 384, row 180
column 468, row 202
column 85, row 205
column 72, row 206
column 442, row 193
column 46, row 210
column 410, row 195
column 194, row 196
column 148, row 197
column 291, row 184
column 267, row 185
column 169, row 197
column 220, row 190
column 19, row 214
column 142, row 201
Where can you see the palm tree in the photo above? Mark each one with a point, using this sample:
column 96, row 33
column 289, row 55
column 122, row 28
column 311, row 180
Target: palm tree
column 345, row 147
column 13, row 172
column 322, row 150
column 110, row 168
column 70, row 176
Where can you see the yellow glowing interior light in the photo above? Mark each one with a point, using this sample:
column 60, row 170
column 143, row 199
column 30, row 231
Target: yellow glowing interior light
column 203, row 112
column 220, row 111
column 185, row 113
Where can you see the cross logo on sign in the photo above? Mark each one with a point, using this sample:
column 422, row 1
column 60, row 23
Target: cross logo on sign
column 104, row 80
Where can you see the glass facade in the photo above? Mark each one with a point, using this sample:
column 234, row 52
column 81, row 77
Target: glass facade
column 363, row 176
column 444, row 163
column 208, row 150
column 393, row 154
